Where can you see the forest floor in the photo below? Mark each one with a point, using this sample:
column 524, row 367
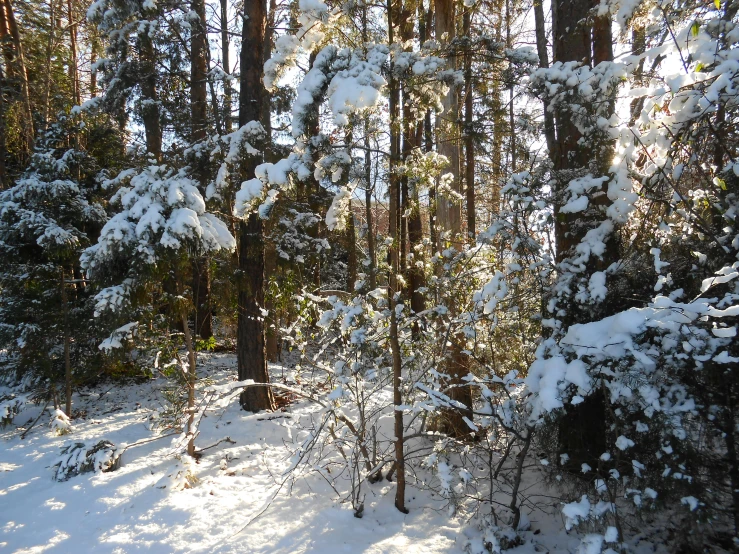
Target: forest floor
column 240, row 503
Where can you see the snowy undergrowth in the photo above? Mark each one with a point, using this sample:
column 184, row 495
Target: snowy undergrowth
column 138, row 508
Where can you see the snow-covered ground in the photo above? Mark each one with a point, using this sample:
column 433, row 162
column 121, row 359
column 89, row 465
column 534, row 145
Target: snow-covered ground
column 138, row 508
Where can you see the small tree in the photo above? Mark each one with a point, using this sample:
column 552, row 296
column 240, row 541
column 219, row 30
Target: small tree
column 162, row 226
column 46, row 220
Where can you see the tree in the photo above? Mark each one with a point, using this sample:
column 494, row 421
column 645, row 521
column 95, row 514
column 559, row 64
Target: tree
column 161, row 227
column 46, row 219
column 251, row 345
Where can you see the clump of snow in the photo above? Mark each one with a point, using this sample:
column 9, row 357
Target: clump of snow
column 60, row 424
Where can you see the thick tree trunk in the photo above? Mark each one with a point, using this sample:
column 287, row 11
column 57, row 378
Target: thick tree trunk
column 580, row 37
column 150, row 109
column 252, row 362
column 449, row 213
column 571, row 43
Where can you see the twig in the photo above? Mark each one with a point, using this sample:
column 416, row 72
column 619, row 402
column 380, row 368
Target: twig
column 23, row 435
column 227, row 439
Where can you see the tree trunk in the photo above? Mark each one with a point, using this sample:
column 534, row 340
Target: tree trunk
column 393, row 254
column 425, row 24
column 469, row 142
column 511, row 113
column 67, row 358
column 449, row 213
column 250, row 348
column 226, row 59
column 199, row 125
column 272, row 330
column 541, row 48
column 16, row 68
column 150, row 109
column 368, row 210
column 73, row 72
column 3, row 148
column 571, row 43
column 191, row 378
column 351, row 250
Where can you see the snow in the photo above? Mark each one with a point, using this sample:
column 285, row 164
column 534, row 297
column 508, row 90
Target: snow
column 622, row 443
column 136, row 509
column 236, row 503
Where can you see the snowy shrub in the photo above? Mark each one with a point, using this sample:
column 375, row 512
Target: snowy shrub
column 78, row 458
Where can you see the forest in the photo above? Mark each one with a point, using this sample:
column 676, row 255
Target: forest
column 382, row 276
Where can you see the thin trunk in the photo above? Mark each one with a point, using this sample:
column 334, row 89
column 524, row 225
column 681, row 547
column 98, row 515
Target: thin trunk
column 469, row 142
column 425, row 26
column 191, row 378
column 511, row 114
column 368, row 184
column 227, row 127
column 393, row 254
column 93, row 74
column 16, row 67
column 351, row 250
column 273, row 347
column 250, row 349
column 541, row 48
column 73, row 71
column 199, row 123
column 411, row 203
column 67, row 358
column 270, row 270
column 3, row 148
column 449, row 212
column 49, row 52
column 268, row 45
column 368, row 211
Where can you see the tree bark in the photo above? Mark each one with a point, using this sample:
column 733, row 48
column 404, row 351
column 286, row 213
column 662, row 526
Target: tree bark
column 150, row 109
column 449, row 213
column 252, row 362
column 571, row 43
